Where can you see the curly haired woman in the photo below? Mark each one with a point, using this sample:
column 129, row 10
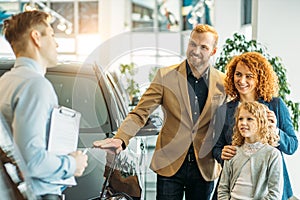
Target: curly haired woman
column 250, row 77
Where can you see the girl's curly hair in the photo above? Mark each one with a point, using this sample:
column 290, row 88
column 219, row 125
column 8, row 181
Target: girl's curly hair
column 265, row 134
column 266, row 78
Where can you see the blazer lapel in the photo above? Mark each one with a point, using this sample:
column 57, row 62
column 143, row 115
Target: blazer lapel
column 182, row 81
column 215, row 96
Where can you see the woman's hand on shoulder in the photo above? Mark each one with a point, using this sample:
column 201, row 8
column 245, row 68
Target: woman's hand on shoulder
column 228, row 152
column 272, row 120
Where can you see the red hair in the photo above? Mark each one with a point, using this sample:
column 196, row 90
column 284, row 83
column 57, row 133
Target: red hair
column 267, row 80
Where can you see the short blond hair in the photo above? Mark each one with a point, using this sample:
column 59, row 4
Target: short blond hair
column 204, row 28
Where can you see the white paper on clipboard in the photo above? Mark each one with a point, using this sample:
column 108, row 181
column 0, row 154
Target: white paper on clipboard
column 63, row 136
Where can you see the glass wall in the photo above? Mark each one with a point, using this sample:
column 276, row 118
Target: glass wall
column 170, row 15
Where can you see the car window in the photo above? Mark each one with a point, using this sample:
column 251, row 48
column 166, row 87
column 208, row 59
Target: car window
column 83, row 95
column 116, row 115
column 117, row 80
column 122, row 106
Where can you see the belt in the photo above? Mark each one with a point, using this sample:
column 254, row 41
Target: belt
column 52, row 197
column 190, row 157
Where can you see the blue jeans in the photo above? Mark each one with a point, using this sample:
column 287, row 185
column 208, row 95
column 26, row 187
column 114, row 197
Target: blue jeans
column 188, row 179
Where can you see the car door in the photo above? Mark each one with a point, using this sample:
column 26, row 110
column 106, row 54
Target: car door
column 85, row 90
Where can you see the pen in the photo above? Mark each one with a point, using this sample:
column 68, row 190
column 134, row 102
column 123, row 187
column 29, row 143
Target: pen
column 85, row 151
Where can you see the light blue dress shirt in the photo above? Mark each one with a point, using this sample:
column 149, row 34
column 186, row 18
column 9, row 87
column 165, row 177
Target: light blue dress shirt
column 27, row 100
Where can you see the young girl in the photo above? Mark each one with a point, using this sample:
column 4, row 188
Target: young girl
column 255, row 172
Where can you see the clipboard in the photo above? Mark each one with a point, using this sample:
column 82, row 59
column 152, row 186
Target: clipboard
column 63, row 136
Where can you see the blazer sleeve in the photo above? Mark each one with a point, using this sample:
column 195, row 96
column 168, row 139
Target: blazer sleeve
column 288, row 143
column 220, row 128
column 224, row 184
column 137, row 118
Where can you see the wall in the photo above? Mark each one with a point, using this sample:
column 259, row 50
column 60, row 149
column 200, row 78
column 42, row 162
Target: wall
column 278, row 28
column 227, row 19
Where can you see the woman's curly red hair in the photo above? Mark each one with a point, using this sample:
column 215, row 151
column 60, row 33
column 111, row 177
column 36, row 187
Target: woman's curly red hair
column 267, row 80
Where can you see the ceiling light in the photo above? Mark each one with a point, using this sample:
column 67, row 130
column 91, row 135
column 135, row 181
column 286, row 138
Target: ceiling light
column 62, row 26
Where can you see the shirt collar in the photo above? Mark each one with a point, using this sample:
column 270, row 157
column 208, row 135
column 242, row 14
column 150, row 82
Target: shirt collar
column 30, row 63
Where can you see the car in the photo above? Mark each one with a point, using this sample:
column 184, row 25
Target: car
column 154, row 122
column 94, row 93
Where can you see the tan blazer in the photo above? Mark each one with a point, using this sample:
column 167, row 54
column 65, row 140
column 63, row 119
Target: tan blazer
column 170, row 89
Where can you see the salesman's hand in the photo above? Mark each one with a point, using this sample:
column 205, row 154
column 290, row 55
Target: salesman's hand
column 81, row 162
column 111, row 144
column 228, row 152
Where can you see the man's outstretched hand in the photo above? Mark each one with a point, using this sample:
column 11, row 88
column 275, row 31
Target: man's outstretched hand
column 113, row 145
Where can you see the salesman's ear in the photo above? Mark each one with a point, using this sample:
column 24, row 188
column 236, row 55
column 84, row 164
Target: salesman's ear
column 213, row 52
column 35, row 36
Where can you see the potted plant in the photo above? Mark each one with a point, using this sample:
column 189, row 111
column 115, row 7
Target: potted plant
column 237, row 45
column 132, row 87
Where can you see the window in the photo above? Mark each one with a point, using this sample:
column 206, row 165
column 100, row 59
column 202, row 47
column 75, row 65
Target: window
column 150, row 14
column 246, row 11
column 88, row 17
column 84, row 95
column 66, row 10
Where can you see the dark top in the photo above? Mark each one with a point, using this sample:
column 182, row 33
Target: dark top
column 198, row 90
